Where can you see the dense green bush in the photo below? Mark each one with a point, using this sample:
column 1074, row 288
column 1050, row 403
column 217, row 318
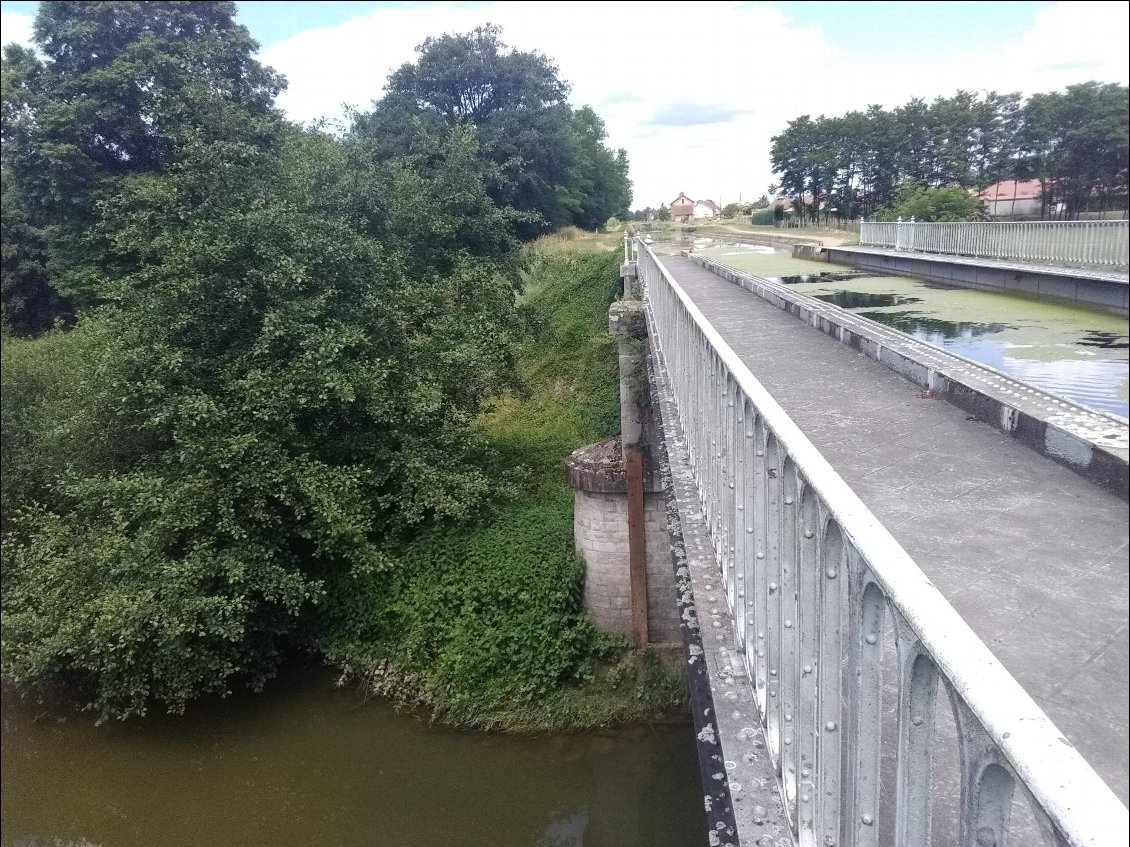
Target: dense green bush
column 952, row 203
column 296, row 391
column 763, row 217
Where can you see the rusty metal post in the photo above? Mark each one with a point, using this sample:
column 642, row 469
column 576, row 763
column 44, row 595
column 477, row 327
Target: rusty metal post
column 626, row 321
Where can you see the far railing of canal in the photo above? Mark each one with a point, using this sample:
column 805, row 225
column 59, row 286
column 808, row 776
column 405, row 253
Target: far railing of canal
column 1096, row 245
column 813, row 579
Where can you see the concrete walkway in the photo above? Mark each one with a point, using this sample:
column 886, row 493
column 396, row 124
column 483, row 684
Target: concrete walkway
column 1033, row 556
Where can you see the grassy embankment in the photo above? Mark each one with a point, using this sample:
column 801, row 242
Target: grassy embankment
column 483, row 625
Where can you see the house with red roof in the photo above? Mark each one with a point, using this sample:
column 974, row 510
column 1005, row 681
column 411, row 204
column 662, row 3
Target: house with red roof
column 1013, row 198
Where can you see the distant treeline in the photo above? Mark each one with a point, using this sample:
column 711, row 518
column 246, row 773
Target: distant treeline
column 1074, row 142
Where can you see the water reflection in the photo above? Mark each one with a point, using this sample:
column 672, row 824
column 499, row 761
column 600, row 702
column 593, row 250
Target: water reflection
column 865, row 299
column 830, row 276
column 933, row 330
column 1105, row 340
column 1075, row 352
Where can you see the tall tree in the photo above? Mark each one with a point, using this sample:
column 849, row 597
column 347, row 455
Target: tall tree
column 121, row 87
column 552, row 162
column 299, row 382
column 1076, row 143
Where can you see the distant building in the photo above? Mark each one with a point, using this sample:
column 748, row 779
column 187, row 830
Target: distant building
column 1013, row 197
column 682, row 207
column 706, row 209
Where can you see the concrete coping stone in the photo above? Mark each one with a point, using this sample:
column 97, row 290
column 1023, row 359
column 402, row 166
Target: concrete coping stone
column 625, row 318
column 1095, row 444
column 1112, row 276
column 599, row 469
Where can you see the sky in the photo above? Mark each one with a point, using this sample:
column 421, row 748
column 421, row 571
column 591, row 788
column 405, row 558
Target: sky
column 695, row 91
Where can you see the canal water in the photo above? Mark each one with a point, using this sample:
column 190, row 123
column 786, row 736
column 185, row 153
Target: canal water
column 308, row 763
column 1076, row 353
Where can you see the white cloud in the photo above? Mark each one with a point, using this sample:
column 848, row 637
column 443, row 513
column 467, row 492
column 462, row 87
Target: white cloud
column 1074, row 42
column 632, row 64
column 694, row 92
column 15, row 26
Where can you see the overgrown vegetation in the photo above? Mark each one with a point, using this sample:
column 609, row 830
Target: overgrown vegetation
column 255, row 406
column 482, row 624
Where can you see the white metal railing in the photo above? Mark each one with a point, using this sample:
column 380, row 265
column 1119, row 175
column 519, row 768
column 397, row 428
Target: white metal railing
column 812, row 579
column 1101, row 245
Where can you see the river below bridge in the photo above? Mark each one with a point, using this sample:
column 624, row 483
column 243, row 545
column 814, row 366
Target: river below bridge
column 307, row 763
column 1077, row 353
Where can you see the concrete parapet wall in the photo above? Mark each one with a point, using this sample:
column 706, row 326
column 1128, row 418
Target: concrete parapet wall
column 1062, row 285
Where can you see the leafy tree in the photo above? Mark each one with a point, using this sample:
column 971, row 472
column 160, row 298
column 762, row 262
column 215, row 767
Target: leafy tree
column 283, row 340
column 664, row 213
column 1076, row 143
column 30, row 303
column 300, row 389
column 952, row 203
column 552, row 161
column 120, row 88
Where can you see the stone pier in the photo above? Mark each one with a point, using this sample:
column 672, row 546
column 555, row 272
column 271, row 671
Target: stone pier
column 619, row 516
column 600, row 532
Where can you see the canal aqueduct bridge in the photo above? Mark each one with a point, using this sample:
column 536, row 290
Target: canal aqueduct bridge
column 902, row 625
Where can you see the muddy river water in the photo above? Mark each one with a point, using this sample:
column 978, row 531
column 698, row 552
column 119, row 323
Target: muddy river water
column 308, row 763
